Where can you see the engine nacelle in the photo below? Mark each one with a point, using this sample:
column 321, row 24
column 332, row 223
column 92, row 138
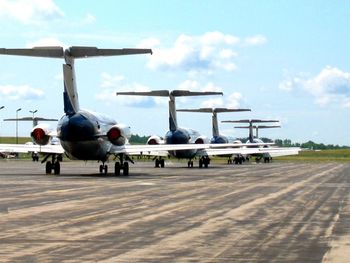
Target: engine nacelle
column 154, row 139
column 201, row 140
column 41, row 134
column 119, row 134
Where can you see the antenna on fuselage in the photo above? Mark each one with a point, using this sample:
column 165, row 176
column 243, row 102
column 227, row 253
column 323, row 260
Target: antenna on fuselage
column 250, row 127
column 70, row 95
column 171, row 94
column 214, row 111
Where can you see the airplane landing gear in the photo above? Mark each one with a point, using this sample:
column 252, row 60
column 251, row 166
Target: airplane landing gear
column 103, row 168
column 190, row 164
column 159, row 163
column 53, row 165
column 122, row 165
column 204, row 161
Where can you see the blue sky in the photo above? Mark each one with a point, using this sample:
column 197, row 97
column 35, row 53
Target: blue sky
column 287, row 60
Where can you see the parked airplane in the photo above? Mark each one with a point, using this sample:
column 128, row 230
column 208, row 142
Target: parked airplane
column 177, row 135
column 251, row 138
column 86, row 135
column 190, row 137
column 254, row 141
column 83, row 134
column 216, row 136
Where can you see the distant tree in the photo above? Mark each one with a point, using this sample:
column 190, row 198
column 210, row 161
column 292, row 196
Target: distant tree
column 136, row 139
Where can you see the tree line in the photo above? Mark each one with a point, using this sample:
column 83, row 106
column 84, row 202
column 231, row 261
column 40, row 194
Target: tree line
column 137, row 139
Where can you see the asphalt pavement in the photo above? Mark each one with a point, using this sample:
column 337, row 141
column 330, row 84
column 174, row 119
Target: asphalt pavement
column 277, row 212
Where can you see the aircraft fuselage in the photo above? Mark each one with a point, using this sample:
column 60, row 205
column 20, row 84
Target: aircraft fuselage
column 219, row 139
column 182, row 136
column 83, row 135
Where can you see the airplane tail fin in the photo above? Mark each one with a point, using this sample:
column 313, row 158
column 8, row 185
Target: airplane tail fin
column 214, row 111
column 257, row 127
column 70, row 94
column 250, row 127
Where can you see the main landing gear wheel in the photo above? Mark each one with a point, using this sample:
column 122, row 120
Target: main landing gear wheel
column 117, row 169
column 159, row 163
column 190, row 164
column 204, row 161
column 55, row 167
column 124, row 167
column 103, row 169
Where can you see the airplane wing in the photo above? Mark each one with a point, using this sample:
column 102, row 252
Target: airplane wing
column 203, row 149
column 276, row 151
column 272, row 151
column 147, row 149
column 25, row 148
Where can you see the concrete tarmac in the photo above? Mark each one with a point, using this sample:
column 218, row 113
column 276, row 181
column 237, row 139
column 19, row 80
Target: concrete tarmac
column 277, row 212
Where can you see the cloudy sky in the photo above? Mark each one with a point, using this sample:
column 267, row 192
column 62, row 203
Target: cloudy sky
column 287, row 60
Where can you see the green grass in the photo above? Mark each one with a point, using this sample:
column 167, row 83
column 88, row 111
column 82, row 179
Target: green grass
column 11, row 140
column 341, row 155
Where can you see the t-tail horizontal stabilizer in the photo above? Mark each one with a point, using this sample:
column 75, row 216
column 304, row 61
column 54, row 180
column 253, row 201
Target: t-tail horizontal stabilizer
column 75, row 52
column 35, row 120
column 251, row 122
column 214, row 111
column 45, row 52
column 257, row 127
column 171, row 94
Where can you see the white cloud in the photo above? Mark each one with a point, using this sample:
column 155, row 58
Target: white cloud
column 23, row 92
column 30, row 11
column 213, row 103
column 217, row 38
column 234, row 100
column 231, row 101
column 330, row 86
column 111, row 84
column 149, row 43
column 89, row 19
column 255, row 40
column 207, row 52
column 109, row 81
column 188, row 85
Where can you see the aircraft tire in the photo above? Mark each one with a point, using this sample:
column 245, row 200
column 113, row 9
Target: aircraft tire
column 156, row 163
column 126, row 169
column 117, row 169
column 162, row 163
column 101, row 168
column 200, row 163
column 57, row 167
column 48, row 167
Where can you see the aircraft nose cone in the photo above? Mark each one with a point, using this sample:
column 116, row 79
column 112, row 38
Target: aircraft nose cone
column 77, row 128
